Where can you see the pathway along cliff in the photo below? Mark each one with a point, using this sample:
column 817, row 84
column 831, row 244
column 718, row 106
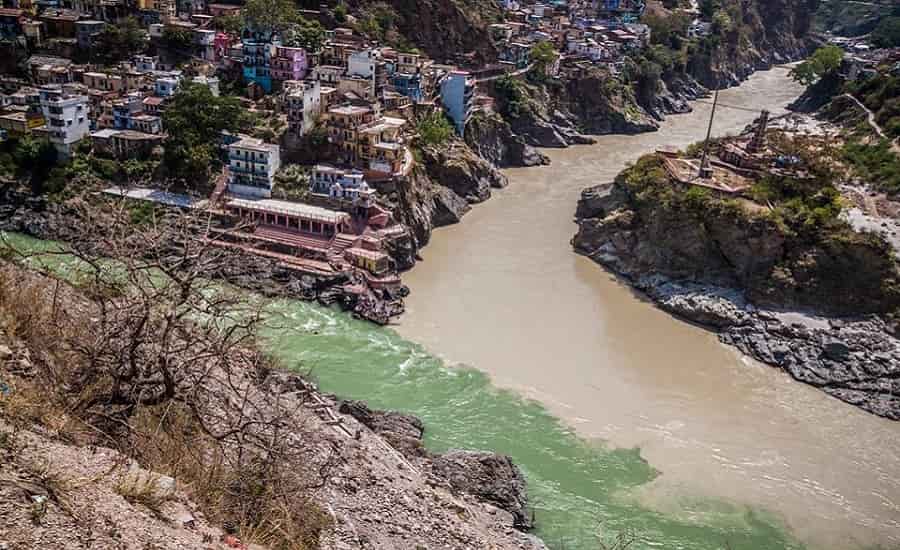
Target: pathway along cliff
column 503, row 292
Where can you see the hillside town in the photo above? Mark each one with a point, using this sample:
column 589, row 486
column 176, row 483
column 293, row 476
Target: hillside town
column 97, row 78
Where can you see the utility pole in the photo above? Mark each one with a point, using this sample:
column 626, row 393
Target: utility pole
column 705, row 170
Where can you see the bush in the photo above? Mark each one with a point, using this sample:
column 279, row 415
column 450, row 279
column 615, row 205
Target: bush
column 826, row 60
column 434, row 129
column 511, row 97
column 877, row 165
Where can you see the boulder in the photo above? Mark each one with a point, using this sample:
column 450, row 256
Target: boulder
column 490, row 477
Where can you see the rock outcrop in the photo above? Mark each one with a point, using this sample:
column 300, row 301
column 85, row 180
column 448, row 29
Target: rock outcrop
column 740, row 273
column 439, row 191
column 489, row 477
column 445, row 29
column 456, row 167
column 761, row 33
column 491, row 137
column 370, row 483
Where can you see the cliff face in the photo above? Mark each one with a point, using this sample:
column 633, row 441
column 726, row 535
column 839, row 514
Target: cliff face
column 492, row 138
column 561, row 112
column 444, row 29
column 732, row 268
column 759, row 34
column 726, row 244
column 439, row 191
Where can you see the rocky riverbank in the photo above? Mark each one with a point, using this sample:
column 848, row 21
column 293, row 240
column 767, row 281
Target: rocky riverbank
column 44, row 219
column 368, row 481
column 854, row 359
column 818, row 309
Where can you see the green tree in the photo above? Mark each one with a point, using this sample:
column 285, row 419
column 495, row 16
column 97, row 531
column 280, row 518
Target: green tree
column 194, row 121
column 121, row 41
column 178, row 41
column 434, row 129
column 269, row 15
column 232, row 24
column 826, row 60
column 340, row 14
column 305, row 33
column 887, row 33
column 34, row 159
column 543, row 56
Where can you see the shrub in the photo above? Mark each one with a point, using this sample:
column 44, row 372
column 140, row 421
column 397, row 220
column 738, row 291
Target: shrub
column 434, row 129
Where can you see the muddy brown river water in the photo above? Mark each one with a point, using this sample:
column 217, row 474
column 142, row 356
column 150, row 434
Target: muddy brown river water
column 504, row 293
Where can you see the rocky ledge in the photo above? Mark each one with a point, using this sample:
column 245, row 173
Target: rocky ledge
column 856, row 360
column 489, row 477
column 688, row 271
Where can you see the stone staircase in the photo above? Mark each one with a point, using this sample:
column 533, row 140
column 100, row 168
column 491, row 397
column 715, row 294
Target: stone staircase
column 219, row 190
column 340, row 243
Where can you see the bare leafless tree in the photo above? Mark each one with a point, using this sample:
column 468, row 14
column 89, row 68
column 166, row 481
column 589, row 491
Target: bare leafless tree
column 163, row 363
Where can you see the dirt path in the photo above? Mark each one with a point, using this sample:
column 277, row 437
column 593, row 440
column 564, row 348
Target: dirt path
column 874, row 124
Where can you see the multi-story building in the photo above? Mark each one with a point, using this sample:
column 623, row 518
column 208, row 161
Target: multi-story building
column 221, row 44
column 343, row 125
column 67, row 117
column 104, row 82
column 289, row 64
column 252, row 165
column 516, row 53
column 258, row 50
column 457, row 93
column 369, row 65
column 145, row 63
column 303, row 103
column 204, row 42
column 328, row 75
column 408, row 84
column 409, row 63
column 50, row 70
column 379, row 147
column 126, row 108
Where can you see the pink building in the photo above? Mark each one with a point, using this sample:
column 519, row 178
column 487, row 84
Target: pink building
column 289, row 64
column 221, row 44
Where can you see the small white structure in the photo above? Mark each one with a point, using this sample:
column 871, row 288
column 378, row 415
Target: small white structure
column 210, row 82
column 252, row 164
column 347, row 185
column 66, row 115
column 166, row 86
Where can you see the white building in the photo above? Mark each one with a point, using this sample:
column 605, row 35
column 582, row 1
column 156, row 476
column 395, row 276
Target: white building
column 66, row 115
column 145, row 63
column 303, row 103
column 363, row 63
column 166, row 86
column 336, row 183
column 210, row 82
column 252, row 164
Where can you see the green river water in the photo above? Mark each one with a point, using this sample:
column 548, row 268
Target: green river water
column 579, row 489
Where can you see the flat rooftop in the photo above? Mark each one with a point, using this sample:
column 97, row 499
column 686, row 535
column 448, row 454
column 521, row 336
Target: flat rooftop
column 297, row 209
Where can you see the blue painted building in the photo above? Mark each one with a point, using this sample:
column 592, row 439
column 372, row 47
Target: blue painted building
column 258, row 50
column 457, row 92
column 408, row 84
